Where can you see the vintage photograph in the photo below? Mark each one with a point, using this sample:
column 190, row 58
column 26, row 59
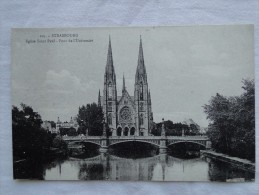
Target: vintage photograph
column 134, row 103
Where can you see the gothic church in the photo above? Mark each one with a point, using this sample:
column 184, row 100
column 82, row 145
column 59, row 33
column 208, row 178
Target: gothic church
column 126, row 115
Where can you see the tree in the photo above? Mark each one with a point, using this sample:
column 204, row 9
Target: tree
column 53, row 124
column 171, row 129
column 90, row 117
column 68, row 131
column 59, row 143
column 194, row 130
column 218, row 111
column 29, row 139
column 232, row 122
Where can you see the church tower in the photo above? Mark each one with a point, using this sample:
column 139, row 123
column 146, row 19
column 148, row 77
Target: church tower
column 110, row 92
column 150, row 113
column 141, row 96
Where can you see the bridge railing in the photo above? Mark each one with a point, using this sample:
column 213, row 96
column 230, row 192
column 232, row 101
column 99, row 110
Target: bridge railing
column 188, row 137
column 134, row 137
column 80, row 137
column 83, row 137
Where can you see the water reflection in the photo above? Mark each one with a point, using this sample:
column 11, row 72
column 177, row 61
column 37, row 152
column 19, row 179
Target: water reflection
column 157, row 168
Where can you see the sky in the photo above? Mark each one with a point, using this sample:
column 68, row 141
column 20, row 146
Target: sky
column 186, row 66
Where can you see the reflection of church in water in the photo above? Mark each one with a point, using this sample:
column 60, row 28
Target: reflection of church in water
column 126, row 115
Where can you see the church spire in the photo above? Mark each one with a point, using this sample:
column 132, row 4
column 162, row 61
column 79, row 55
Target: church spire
column 109, row 70
column 149, row 97
column 141, row 69
column 99, row 99
column 123, row 85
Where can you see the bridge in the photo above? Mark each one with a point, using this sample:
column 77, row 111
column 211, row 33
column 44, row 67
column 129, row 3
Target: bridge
column 160, row 141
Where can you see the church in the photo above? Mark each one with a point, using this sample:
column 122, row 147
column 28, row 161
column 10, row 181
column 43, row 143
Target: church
column 126, row 115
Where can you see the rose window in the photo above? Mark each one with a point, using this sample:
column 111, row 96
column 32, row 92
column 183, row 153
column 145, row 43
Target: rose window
column 125, row 113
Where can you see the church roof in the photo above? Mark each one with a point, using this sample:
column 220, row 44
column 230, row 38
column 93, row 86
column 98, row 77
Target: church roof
column 118, row 99
column 127, row 96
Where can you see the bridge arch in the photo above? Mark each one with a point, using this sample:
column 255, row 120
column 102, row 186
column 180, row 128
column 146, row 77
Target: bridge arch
column 84, row 141
column 186, row 141
column 139, row 141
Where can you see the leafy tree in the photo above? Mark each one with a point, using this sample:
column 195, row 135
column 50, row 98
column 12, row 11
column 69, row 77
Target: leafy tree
column 90, row 117
column 53, row 124
column 68, row 131
column 29, row 139
column 59, row 143
column 155, row 130
column 175, row 129
column 232, row 122
column 194, row 130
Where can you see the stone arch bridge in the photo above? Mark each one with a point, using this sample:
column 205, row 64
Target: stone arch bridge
column 160, row 141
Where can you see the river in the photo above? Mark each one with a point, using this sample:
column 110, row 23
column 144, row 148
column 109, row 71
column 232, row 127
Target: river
column 162, row 167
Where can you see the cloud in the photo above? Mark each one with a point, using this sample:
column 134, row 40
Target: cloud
column 65, row 82
column 61, row 94
column 62, row 81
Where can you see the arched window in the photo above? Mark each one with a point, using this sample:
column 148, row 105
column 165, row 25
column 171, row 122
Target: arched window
column 110, row 91
column 132, row 131
column 141, row 106
column 109, row 119
column 119, row 130
column 126, row 131
column 141, row 119
column 109, row 106
column 141, row 91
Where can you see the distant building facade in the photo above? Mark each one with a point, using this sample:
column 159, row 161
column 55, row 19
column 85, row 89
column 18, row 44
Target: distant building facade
column 48, row 126
column 66, row 125
column 127, row 115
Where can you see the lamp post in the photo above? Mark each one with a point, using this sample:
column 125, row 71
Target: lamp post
column 88, row 119
column 86, row 130
column 104, row 140
column 163, row 128
column 162, row 146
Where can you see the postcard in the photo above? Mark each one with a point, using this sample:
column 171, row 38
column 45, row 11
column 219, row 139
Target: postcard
column 173, row 103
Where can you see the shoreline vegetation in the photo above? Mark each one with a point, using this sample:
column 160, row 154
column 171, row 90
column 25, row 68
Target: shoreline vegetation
column 232, row 122
column 32, row 144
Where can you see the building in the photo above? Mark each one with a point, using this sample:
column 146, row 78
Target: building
column 66, row 125
column 48, row 126
column 126, row 115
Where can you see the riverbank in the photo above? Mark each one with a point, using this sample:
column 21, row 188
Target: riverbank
column 240, row 163
column 33, row 166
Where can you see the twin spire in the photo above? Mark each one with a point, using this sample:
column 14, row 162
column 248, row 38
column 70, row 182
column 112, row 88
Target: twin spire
column 141, row 69
column 140, row 72
column 109, row 72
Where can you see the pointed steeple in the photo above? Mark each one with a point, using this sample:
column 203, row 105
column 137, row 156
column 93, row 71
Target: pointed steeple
column 141, row 69
column 123, row 85
column 149, row 97
column 109, row 70
column 99, row 99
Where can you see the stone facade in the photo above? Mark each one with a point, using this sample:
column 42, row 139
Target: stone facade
column 66, row 125
column 48, row 127
column 126, row 115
